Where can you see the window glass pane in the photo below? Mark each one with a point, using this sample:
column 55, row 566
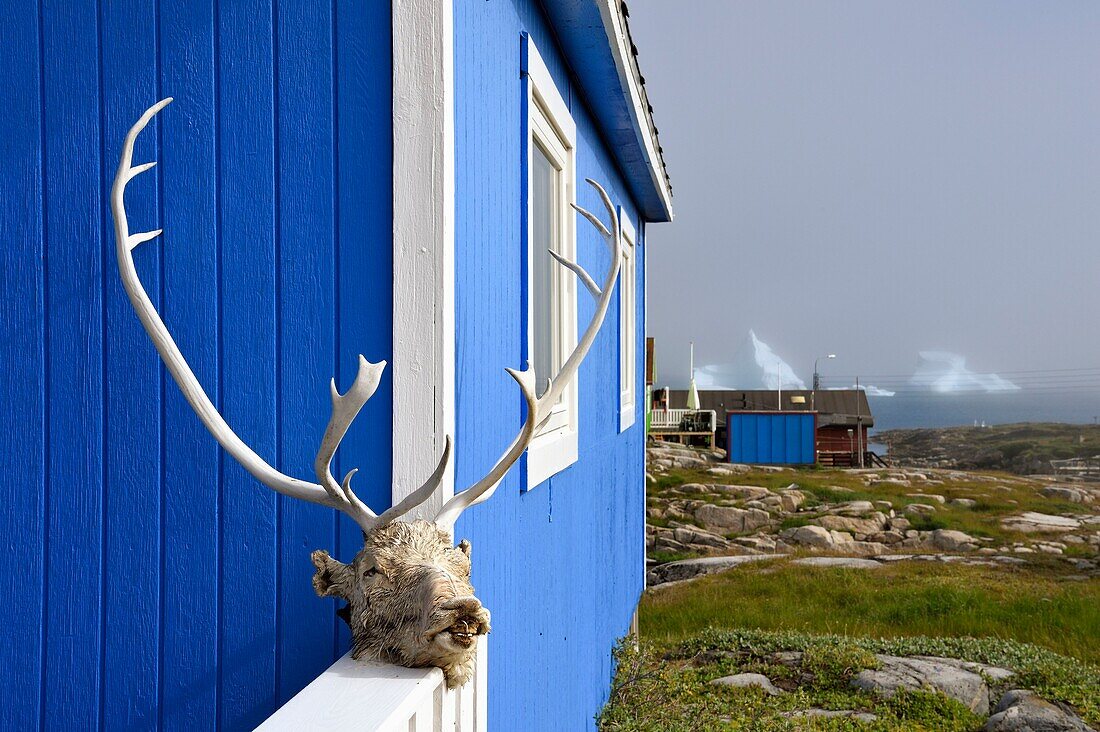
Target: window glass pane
column 544, row 235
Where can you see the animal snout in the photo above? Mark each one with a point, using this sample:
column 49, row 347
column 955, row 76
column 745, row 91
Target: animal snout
column 463, row 605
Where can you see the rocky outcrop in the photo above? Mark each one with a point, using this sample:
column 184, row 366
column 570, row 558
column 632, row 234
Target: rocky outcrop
column 937, row 674
column 1024, row 711
column 1034, row 522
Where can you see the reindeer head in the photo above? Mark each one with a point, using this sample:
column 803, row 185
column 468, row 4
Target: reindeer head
column 408, row 592
column 410, row 600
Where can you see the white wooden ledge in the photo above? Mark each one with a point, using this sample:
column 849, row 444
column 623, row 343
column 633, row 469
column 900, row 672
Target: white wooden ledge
column 360, row 695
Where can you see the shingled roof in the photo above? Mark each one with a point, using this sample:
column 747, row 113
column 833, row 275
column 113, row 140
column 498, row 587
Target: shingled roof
column 842, row 407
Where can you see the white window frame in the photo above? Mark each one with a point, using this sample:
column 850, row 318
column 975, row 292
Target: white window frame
column 628, row 323
column 551, row 126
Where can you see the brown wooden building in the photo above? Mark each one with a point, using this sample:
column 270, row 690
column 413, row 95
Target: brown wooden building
column 843, row 415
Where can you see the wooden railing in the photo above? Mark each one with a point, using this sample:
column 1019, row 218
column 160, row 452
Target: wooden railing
column 362, row 695
column 670, row 419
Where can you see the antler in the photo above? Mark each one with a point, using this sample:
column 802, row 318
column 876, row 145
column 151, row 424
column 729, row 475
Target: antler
column 539, row 409
column 345, row 407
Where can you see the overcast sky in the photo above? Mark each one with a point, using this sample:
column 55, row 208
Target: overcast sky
column 876, row 178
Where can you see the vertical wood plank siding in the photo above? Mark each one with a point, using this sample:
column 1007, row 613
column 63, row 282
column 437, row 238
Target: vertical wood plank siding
column 561, row 566
column 149, row 581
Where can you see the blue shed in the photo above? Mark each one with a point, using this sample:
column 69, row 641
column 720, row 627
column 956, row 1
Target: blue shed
column 333, row 179
column 772, row 438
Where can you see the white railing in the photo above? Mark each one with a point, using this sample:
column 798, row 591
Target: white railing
column 362, row 695
column 669, row 419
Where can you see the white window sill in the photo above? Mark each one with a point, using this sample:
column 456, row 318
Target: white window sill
column 626, row 417
column 375, row 696
column 549, row 454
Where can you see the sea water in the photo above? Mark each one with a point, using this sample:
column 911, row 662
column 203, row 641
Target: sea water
column 953, row 410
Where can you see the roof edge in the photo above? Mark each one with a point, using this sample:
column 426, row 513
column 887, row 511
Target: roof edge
column 626, row 63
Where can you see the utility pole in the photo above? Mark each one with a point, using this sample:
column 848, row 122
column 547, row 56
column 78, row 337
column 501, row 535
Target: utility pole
column 817, row 383
column 859, row 425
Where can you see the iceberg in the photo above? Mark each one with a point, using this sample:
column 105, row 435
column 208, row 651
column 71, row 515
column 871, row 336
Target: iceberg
column 944, row 373
column 755, row 366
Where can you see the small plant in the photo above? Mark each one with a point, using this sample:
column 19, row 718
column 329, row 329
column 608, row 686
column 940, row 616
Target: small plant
column 833, row 663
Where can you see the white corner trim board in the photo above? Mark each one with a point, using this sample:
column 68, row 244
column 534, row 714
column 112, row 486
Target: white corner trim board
column 423, row 245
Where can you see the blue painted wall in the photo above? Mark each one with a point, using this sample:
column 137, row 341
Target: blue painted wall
column 148, row 581
column 561, row 566
column 771, row 438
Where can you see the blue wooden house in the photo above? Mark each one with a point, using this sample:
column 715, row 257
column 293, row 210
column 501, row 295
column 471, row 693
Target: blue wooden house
column 334, row 178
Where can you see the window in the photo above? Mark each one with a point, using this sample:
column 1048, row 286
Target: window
column 552, row 299
column 628, row 330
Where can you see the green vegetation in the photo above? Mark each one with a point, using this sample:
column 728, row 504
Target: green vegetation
column 998, row 496
column 665, row 687
column 898, row 600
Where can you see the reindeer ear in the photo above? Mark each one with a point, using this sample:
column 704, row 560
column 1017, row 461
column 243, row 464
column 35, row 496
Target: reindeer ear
column 332, row 576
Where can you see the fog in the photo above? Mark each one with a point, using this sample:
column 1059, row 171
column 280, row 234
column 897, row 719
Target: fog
column 875, row 180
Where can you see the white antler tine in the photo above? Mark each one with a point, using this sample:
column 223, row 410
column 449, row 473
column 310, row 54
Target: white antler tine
column 345, row 408
column 603, row 197
column 139, row 169
column 591, row 219
column 424, row 492
column 484, row 488
column 135, row 240
column 578, row 270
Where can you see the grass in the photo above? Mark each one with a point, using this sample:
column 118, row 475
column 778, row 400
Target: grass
column 897, row 600
column 665, row 687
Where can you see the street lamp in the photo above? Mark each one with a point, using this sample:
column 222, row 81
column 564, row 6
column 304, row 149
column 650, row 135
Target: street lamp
column 817, row 382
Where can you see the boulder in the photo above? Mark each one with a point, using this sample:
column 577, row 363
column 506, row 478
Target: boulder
column 900, row 524
column 699, row 537
column 729, row 519
column 1066, row 493
column 690, row 568
column 841, row 562
column 949, row 540
column 896, row 672
column 928, row 497
column 1033, row 522
column 790, row 500
column 668, row 544
column 963, row 502
column 919, row 509
column 868, row 525
column 853, row 508
column 760, row 543
column 811, row 536
column 748, row 680
column 692, row 488
column 742, row 492
column 1024, row 711
column 864, row 548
